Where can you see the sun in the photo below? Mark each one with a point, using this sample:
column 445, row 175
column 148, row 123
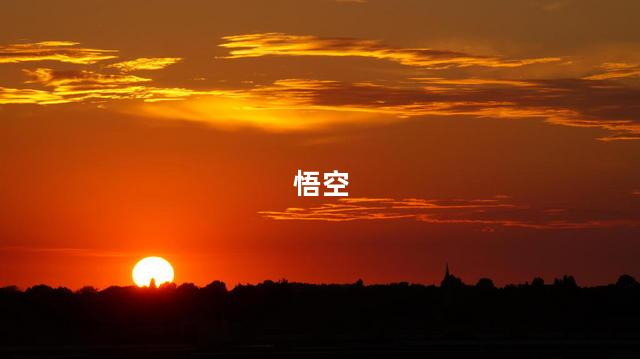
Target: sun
column 156, row 268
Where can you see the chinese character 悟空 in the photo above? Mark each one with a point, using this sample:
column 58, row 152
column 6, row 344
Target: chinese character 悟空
column 308, row 183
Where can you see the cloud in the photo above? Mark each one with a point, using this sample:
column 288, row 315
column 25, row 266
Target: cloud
column 470, row 82
column 302, row 104
column 280, row 44
column 616, row 70
column 494, row 211
column 567, row 102
column 578, row 103
column 145, row 63
column 62, row 51
column 83, row 85
column 27, row 96
column 73, row 78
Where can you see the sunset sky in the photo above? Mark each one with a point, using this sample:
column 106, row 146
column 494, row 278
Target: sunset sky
column 500, row 137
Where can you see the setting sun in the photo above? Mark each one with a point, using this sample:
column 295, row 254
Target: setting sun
column 156, row 268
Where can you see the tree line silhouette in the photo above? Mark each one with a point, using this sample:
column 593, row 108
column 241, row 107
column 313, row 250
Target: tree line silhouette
column 285, row 314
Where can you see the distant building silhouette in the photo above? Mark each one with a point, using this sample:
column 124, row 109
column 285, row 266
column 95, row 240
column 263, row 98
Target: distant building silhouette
column 449, row 280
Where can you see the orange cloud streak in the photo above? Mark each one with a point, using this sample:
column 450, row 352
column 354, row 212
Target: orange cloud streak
column 53, row 78
column 79, row 86
column 274, row 43
column 62, row 51
column 485, row 212
column 145, row 63
column 616, row 70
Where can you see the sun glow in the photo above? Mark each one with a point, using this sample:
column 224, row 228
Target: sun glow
column 152, row 268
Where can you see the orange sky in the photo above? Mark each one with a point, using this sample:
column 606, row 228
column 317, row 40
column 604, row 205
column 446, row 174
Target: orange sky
column 500, row 137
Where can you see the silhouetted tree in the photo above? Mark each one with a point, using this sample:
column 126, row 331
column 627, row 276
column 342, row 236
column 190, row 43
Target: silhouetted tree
column 168, row 286
column 187, row 288
column 567, row 281
column 485, row 283
column 626, row 281
column 537, row 282
column 216, row 286
column 9, row 289
column 87, row 290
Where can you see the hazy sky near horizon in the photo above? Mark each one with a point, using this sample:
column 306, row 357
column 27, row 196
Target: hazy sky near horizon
column 501, row 137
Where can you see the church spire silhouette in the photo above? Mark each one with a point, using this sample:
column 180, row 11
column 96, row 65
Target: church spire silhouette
column 449, row 279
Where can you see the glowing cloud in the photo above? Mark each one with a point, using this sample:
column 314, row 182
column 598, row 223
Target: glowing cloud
column 145, row 63
column 62, row 51
column 28, row 96
column 302, row 104
column 49, row 77
column 482, row 212
column 273, row 43
column 616, row 70
column 79, row 86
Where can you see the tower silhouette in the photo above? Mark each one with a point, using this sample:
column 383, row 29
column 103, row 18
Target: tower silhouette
column 449, row 279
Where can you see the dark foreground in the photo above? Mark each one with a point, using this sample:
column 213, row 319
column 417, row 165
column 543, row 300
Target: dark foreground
column 292, row 320
column 434, row 349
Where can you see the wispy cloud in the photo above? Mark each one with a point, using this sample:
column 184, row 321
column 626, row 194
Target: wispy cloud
column 615, row 70
column 62, row 51
column 469, row 82
column 27, row 96
column 145, row 63
column 274, row 43
column 577, row 103
column 299, row 104
column 84, row 85
column 73, row 78
column 72, row 94
column 496, row 211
